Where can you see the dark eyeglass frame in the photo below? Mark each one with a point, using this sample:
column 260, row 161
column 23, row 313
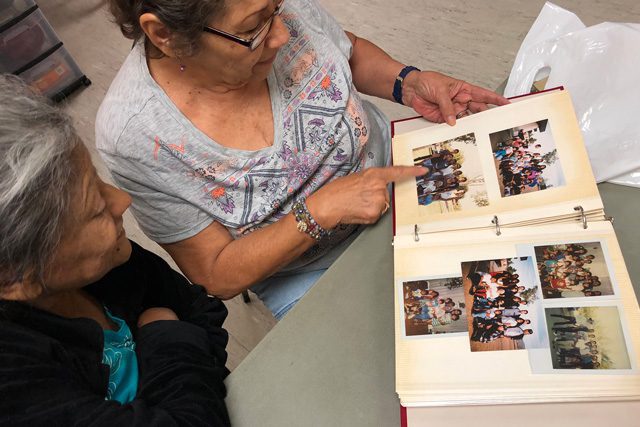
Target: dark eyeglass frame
column 255, row 40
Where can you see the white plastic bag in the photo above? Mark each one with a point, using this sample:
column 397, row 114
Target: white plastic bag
column 600, row 67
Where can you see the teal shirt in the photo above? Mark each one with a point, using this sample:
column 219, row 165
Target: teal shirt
column 120, row 355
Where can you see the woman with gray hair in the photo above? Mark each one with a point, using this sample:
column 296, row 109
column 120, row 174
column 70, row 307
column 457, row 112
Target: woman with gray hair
column 94, row 330
column 239, row 129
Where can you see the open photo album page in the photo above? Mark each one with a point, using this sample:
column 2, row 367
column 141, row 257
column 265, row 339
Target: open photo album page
column 557, row 299
column 527, row 156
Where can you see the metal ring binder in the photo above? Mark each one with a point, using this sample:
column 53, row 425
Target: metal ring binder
column 582, row 215
column 497, row 224
column 416, row 237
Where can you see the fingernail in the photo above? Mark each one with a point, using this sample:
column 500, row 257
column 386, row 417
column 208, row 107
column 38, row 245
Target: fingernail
column 451, row 120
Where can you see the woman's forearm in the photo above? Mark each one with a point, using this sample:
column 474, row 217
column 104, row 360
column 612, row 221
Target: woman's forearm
column 374, row 71
column 226, row 267
column 437, row 97
column 238, row 264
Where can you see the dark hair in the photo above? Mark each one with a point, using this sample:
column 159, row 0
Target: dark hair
column 184, row 18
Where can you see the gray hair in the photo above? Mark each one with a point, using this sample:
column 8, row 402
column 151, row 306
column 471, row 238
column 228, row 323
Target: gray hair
column 36, row 179
column 184, row 18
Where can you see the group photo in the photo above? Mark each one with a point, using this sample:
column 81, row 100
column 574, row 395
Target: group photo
column 526, row 159
column 503, row 308
column 454, row 180
column 586, row 338
column 573, row 270
column 434, row 306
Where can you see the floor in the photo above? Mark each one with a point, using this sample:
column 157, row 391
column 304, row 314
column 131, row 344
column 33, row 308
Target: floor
column 472, row 40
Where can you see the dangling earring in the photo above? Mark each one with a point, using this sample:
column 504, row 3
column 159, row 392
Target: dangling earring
column 182, row 66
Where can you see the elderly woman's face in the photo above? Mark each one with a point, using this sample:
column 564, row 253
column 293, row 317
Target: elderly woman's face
column 235, row 62
column 94, row 241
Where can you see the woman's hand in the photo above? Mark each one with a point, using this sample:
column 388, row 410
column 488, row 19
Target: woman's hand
column 358, row 198
column 440, row 98
column 154, row 314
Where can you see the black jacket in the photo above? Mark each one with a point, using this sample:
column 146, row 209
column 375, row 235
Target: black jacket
column 51, row 370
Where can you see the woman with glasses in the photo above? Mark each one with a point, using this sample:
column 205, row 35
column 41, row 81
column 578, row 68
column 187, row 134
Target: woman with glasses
column 94, row 330
column 239, row 130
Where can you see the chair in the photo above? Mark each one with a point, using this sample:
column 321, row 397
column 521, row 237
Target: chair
column 245, row 297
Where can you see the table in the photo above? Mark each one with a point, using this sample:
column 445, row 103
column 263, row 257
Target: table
column 330, row 361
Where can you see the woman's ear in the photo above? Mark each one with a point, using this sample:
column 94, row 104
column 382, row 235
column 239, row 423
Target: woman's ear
column 157, row 33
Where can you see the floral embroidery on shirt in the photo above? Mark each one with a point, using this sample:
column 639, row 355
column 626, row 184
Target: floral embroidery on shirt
column 301, row 167
column 293, row 25
column 316, row 132
column 223, row 200
column 340, row 155
column 327, row 88
column 303, row 67
column 208, row 173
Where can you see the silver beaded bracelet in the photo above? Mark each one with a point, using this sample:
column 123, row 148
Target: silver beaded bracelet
column 305, row 222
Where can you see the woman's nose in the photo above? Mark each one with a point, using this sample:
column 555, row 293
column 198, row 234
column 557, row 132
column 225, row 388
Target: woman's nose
column 279, row 34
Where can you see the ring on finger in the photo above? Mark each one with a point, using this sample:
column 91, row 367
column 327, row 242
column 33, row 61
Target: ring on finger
column 463, row 113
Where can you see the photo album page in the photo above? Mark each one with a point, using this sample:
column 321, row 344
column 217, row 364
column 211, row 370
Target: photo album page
column 547, row 316
column 520, row 162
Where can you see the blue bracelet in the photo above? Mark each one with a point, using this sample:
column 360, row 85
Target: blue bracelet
column 397, row 86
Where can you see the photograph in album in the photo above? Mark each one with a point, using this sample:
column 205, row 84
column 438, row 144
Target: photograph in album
column 434, row 306
column 454, row 180
column 586, row 338
column 504, row 311
column 526, row 159
column 573, row 270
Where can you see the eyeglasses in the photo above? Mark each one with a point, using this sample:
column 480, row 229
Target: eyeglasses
column 255, row 40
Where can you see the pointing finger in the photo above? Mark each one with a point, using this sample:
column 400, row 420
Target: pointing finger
column 400, row 173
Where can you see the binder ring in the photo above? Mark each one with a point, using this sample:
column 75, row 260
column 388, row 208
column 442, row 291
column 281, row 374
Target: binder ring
column 497, row 224
column 582, row 216
column 416, row 237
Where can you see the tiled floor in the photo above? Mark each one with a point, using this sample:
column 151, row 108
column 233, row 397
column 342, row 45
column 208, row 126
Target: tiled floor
column 473, row 40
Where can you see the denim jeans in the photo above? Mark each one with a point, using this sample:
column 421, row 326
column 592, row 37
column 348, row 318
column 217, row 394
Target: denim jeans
column 280, row 293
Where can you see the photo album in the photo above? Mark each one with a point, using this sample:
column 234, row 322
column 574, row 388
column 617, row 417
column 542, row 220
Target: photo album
column 510, row 286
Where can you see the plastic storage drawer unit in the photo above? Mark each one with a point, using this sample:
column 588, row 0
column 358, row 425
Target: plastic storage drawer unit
column 53, row 74
column 30, row 48
column 24, row 41
column 10, row 9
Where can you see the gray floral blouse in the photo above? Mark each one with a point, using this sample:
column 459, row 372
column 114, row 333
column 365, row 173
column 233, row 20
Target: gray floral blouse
column 181, row 180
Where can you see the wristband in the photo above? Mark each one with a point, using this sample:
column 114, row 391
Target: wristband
column 305, row 222
column 397, row 85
